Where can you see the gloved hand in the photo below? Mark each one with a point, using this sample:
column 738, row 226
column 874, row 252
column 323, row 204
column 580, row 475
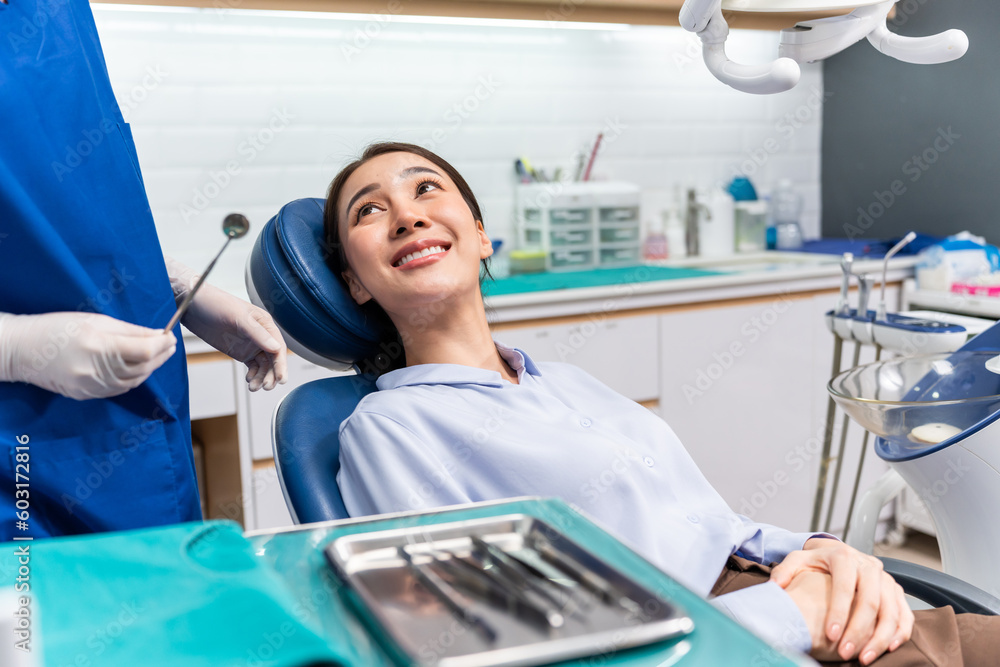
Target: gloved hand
column 232, row 326
column 80, row 355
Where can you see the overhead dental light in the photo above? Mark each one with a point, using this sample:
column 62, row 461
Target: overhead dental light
column 809, row 41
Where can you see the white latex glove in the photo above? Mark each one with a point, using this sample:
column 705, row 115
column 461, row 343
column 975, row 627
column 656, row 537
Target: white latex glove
column 80, row 355
column 231, row 325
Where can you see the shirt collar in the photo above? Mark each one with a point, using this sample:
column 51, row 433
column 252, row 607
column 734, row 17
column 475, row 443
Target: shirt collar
column 456, row 374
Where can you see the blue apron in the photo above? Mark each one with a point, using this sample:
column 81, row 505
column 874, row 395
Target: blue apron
column 77, row 234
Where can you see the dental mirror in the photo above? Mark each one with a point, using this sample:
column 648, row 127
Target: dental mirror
column 234, row 226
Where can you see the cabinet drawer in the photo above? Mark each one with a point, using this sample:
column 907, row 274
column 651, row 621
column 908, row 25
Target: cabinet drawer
column 571, row 236
column 212, row 388
column 621, row 255
column 619, row 214
column 569, row 216
column 623, row 353
column 620, row 233
column 570, row 259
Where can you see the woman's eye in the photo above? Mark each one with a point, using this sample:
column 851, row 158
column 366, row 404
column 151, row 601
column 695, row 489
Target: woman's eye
column 425, row 186
column 365, row 210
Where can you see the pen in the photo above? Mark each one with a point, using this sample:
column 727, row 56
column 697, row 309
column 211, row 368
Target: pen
column 593, row 156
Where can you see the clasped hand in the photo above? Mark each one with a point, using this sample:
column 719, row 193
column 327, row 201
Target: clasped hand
column 854, row 610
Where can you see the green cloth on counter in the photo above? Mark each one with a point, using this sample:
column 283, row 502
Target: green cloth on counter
column 623, row 275
column 716, row 639
column 192, row 594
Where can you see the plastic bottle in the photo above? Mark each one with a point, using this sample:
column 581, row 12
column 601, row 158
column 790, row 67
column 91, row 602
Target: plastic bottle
column 674, row 231
column 655, row 245
column 786, row 207
column 716, row 237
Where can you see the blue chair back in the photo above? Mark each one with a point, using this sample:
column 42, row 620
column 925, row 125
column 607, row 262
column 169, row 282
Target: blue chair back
column 287, row 274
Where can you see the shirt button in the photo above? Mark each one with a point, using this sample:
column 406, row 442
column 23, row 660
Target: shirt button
column 585, row 422
column 648, row 460
column 693, row 518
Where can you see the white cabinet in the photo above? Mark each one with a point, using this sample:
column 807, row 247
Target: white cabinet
column 261, row 404
column 744, row 387
column 270, row 510
column 212, row 387
column 621, row 352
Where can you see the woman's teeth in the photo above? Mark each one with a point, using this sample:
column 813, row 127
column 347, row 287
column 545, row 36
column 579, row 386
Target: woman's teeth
column 420, row 253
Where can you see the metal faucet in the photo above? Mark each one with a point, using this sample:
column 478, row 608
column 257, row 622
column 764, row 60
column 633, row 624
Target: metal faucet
column 692, row 215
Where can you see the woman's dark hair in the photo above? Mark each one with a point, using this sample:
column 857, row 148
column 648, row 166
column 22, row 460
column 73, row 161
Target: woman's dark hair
column 336, row 259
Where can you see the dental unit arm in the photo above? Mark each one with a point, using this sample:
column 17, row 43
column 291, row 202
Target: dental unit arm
column 810, row 41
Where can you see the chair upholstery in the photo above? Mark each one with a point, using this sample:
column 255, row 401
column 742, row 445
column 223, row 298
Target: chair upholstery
column 306, row 444
column 287, row 274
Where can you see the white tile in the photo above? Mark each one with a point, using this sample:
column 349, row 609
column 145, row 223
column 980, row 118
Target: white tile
column 227, row 72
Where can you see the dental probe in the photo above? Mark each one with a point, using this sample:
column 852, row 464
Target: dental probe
column 234, row 226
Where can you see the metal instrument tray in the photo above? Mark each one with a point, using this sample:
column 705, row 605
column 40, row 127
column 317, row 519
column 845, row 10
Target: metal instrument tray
column 426, row 631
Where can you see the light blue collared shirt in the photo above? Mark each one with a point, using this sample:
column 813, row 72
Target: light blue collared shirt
column 444, row 434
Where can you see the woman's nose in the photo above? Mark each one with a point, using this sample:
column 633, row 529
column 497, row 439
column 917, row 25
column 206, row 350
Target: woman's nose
column 408, row 220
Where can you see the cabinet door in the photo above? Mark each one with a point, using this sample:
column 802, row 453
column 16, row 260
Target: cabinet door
column 620, row 352
column 744, row 387
column 269, row 501
column 261, row 404
column 211, row 388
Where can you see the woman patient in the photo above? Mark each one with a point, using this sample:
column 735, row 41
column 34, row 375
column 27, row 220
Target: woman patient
column 463, row 418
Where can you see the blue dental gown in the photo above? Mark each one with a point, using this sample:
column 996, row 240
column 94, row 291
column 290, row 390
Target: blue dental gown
column 77, row 234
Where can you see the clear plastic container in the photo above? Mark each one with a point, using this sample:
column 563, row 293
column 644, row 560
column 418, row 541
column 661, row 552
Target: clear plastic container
column 786, row 208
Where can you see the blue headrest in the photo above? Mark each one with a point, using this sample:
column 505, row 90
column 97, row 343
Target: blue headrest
column 287, row 275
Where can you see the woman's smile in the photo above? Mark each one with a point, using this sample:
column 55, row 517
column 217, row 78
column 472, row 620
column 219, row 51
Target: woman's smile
column 420, row 253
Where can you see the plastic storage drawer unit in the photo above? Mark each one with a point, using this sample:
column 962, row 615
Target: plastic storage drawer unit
column 580, row 225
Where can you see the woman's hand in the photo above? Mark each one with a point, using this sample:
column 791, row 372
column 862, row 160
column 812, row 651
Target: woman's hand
column 866, row 612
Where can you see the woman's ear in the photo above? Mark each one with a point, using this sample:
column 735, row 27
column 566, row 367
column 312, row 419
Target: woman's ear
column 485, row 245
column 358, row 292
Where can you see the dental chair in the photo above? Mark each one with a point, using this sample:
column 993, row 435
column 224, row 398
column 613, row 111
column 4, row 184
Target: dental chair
column 287, row 275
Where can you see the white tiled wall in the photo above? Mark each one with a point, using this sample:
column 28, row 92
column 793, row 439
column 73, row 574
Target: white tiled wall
column 282, row 100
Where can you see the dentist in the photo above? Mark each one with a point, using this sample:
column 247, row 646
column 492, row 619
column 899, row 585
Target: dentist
column 94, row 420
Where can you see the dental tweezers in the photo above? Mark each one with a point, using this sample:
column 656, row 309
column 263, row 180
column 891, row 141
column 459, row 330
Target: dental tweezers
column 492, row 586
column 604, row 590
column 447, row 595
column 519, row 575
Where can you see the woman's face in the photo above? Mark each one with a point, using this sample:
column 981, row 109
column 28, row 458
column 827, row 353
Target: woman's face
column 409, row 236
